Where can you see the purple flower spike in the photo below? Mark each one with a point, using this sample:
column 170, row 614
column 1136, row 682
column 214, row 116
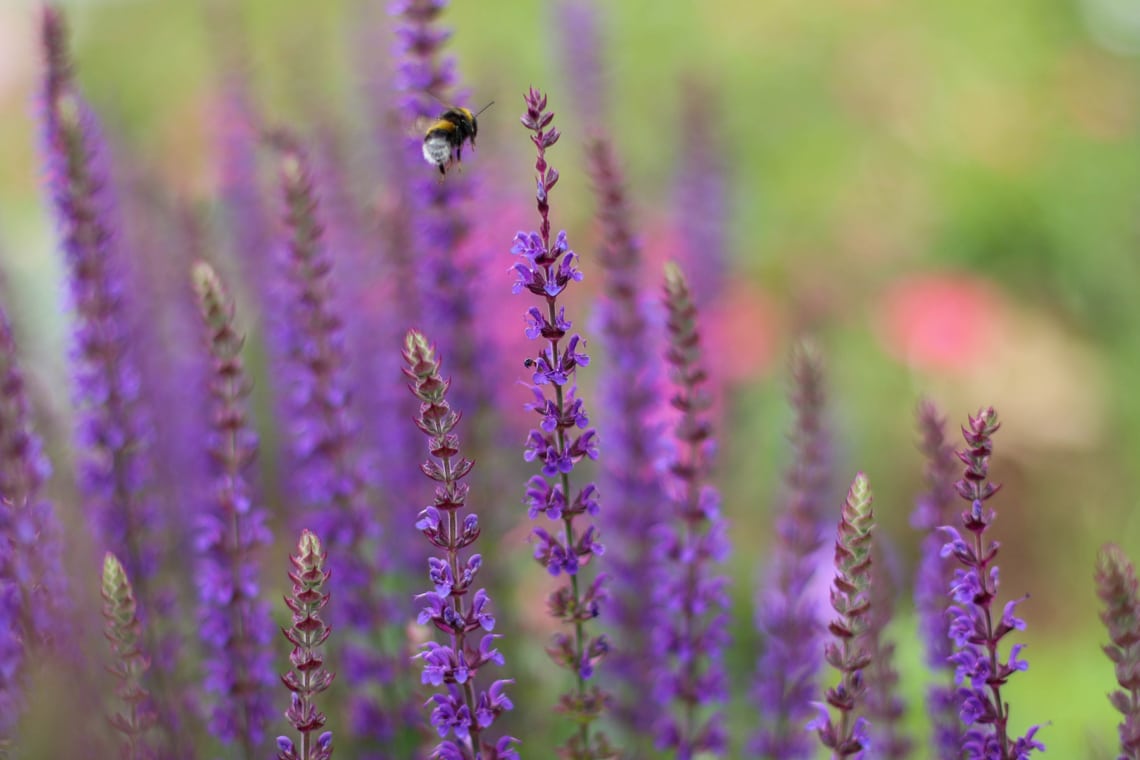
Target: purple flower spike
column 975, row 633
column 327, row 477
column 113, row 467
column 935, row 508
column 788, row 670
column 308, row 676
column 690, row 598
column 1116, row 587
column 35, row 616
column 129, row 664
column 885, row 705
column 462, row 709
column 234, row 627
column 848, row 650
column 545, row 269
column 630, row 388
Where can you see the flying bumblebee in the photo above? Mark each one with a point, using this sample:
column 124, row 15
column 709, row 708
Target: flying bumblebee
column 444, row 139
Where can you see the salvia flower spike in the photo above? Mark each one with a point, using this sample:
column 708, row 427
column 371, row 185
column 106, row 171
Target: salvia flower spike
column 847, row 650
column 974, row 631
column 308, row 676
column 690, row 596
column 934, row 508
column 788, row 669
column 128, row 663
column 454, row 606
column 562, row 439
column 1116, row 587
column 234, row 627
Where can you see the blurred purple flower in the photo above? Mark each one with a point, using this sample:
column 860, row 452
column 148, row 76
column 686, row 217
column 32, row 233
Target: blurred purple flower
column 690, row 598
column 36, row 612
column 788, row 670
column 577, row 27
column 234, row 621
column 973, row 630
column 885, row 706
column 327, row 480
column 932, row 577
column 631, row 390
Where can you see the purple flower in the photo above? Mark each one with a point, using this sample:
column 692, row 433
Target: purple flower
column 630, row 388
column 975, row 634
column 577, row 26
column 546, row 269
column 327, row 479
column 690, row 598
column 35, row 619
column 464, row 710
column 308, row 677
column 234, row 627
column 787, row 672
column 848, row 650
column 447, row 270
column 114, row 436
column 933, row 509
column 885, row 705
column 1116, row 587
column 128, row 664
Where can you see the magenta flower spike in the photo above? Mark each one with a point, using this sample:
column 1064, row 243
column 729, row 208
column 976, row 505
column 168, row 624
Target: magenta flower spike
column 562, row 439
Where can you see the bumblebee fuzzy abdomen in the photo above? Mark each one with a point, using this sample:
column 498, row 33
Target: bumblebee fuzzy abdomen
column 444, row 139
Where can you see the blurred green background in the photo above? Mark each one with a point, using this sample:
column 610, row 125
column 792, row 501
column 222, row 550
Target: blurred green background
column 946, row 195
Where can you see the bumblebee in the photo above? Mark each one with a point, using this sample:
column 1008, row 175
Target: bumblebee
column 444, row 139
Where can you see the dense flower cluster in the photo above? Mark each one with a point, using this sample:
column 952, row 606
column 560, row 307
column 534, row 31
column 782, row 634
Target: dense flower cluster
column 156, row 496
column 546, row 269
column 973, row 629
column 462, row 710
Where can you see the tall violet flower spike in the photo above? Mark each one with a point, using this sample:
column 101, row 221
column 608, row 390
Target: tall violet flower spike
column 690, row 597
column 935, row 508
column 112, row 463
column 630, row 392
column 461, row 709
column 545, row 271
column 973, row 630
column 128, row 664
column 308, row 676
column 327, row 477
column 234, row 627
column 1116, row 587
column 788, row 669
column 847, row 650
column 34, row 619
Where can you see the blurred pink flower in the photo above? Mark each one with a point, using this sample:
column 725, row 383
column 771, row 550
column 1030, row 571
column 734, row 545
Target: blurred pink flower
column 938, row 322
